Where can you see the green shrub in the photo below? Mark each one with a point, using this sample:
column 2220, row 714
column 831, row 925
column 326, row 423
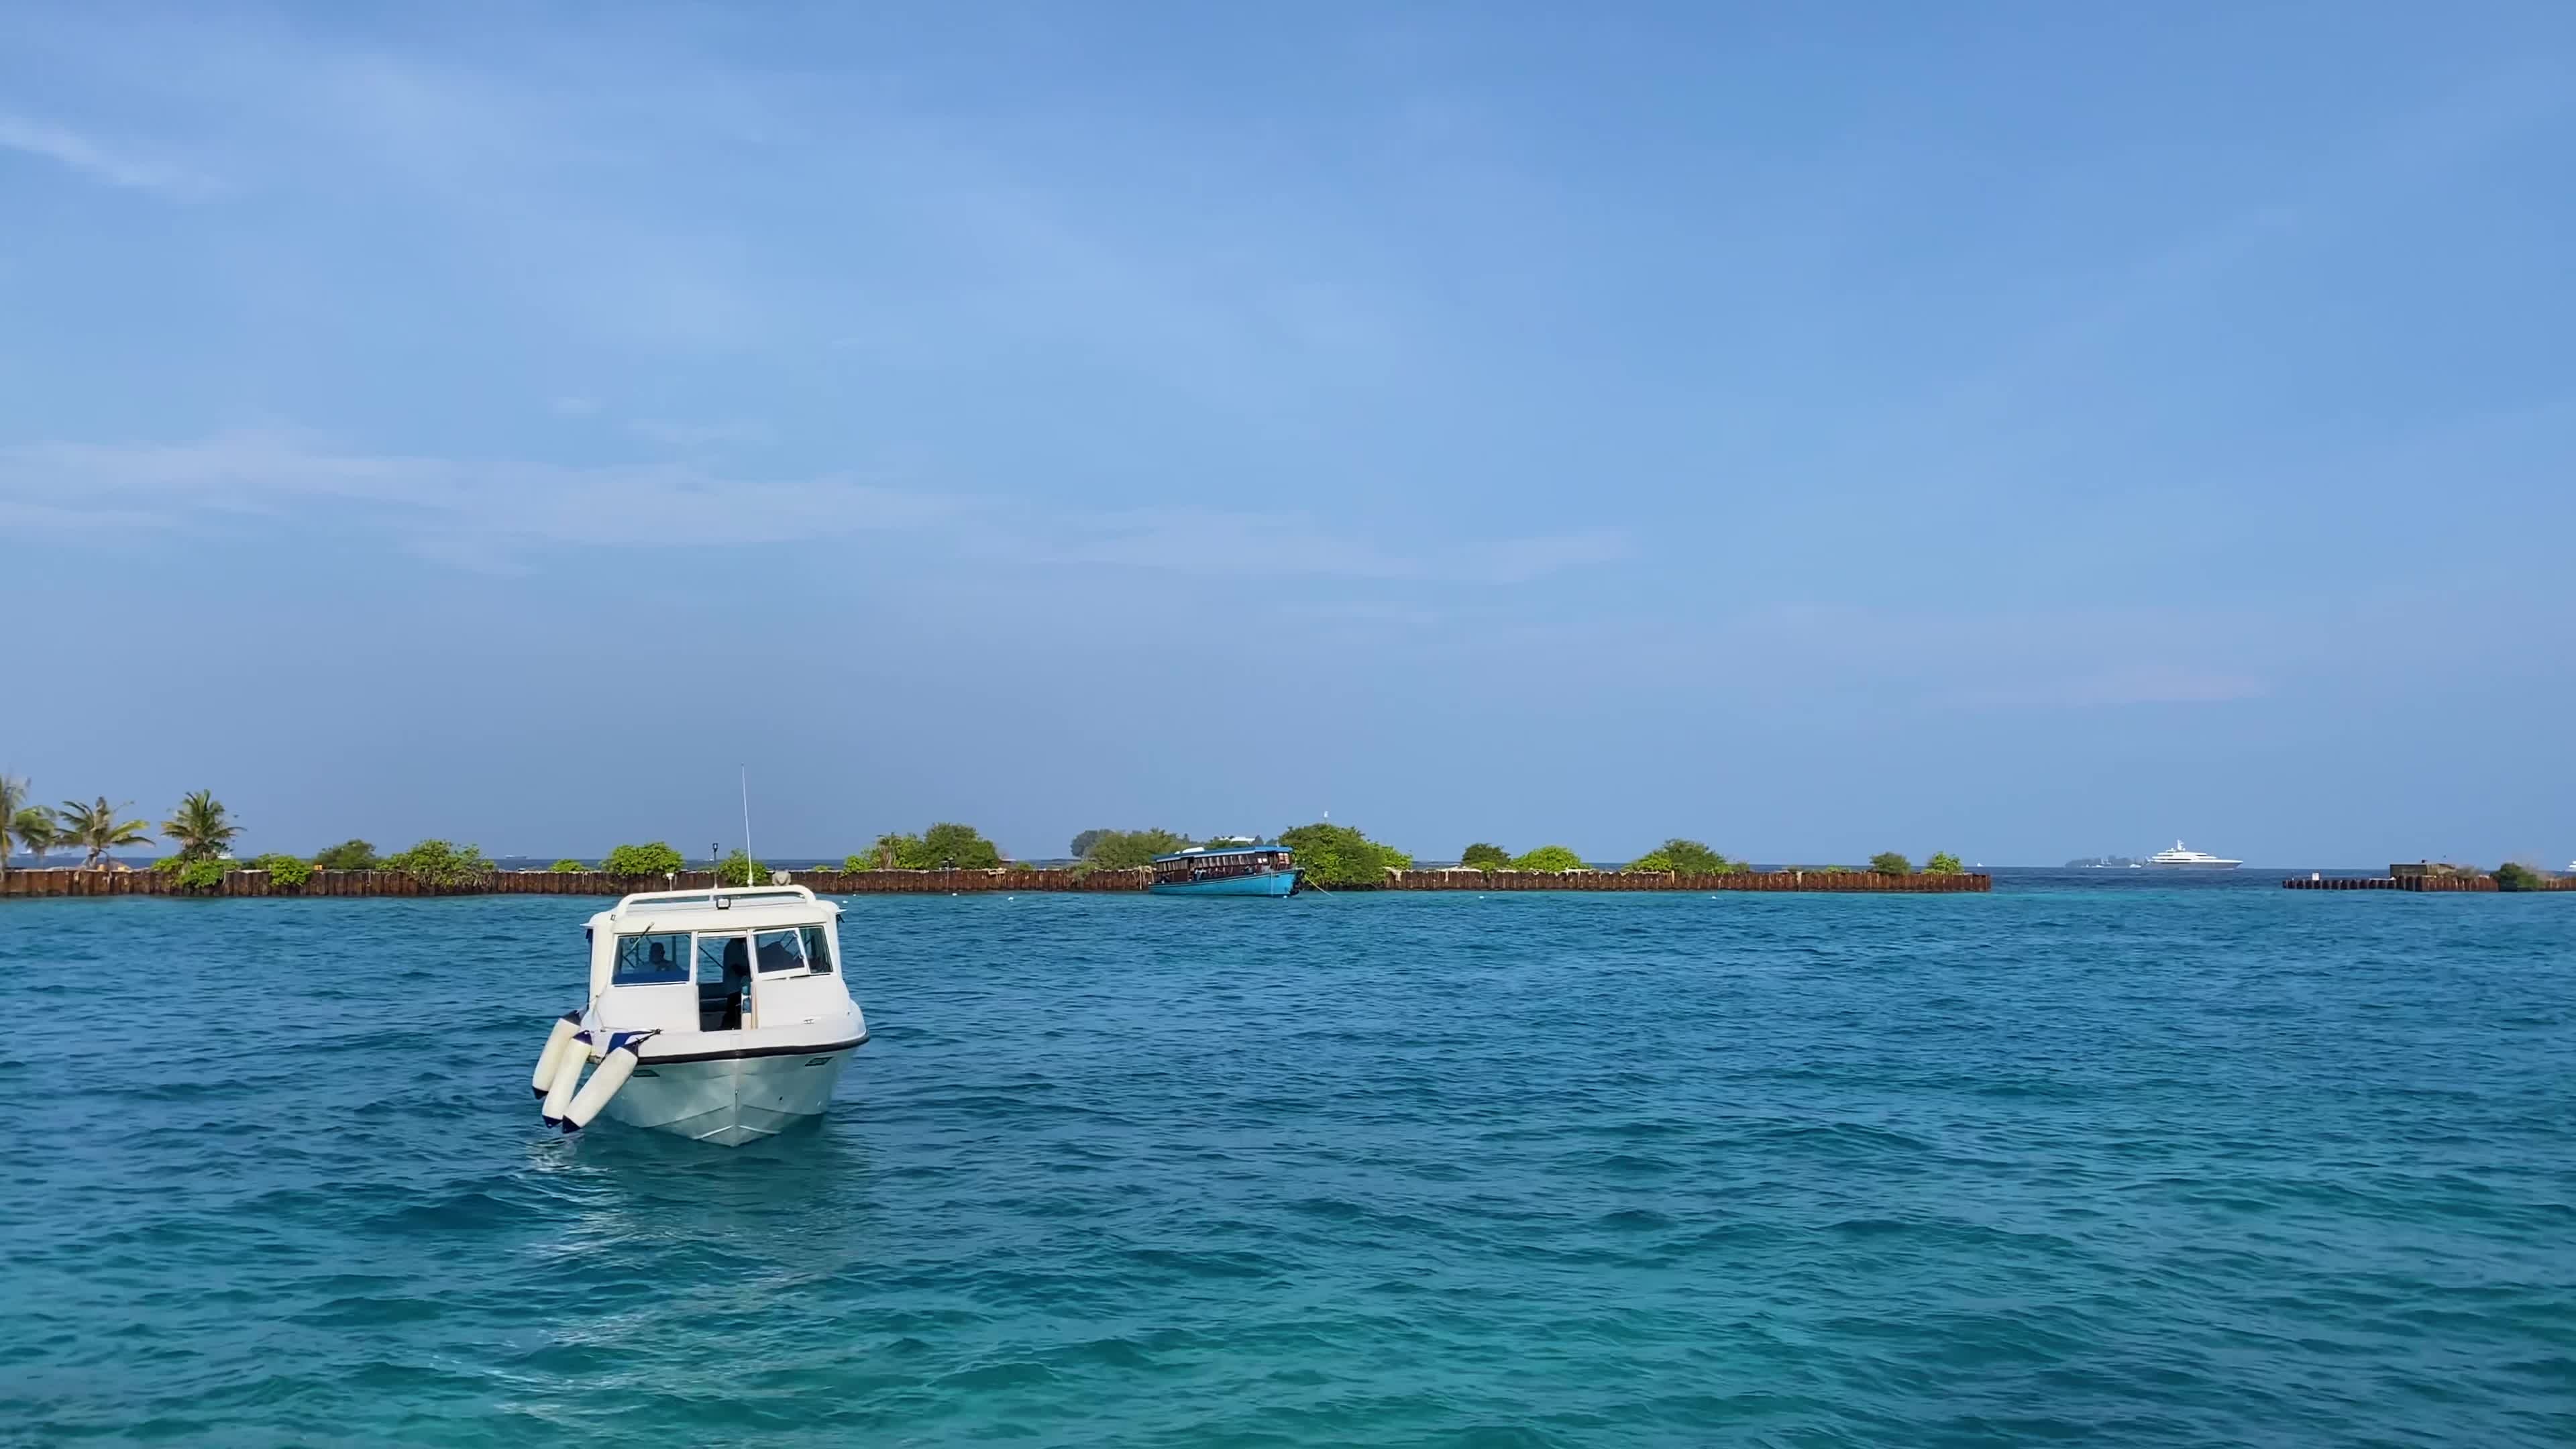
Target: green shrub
column 944, row 846
column 1943, row 863
column 1553, row 859
column 566, row 866
column 283, row 870
column 440, row 865
column 1337, row 855
column 1128, row 849
column 203, row 873
column 1486, row 856
column 2513, row 875
column 657, row 858
column 739, row 869
column 1888, row 862
column 347, row 855
column 962, row 847
column 1688, row 857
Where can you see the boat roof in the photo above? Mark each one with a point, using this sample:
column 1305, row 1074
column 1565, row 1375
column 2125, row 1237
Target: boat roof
column 722, row 908
column 1197, row 851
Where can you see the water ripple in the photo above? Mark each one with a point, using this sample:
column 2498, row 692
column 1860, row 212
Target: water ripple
column 2150, row 1167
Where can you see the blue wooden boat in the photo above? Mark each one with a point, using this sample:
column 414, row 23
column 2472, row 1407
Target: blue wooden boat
column 1226, row 868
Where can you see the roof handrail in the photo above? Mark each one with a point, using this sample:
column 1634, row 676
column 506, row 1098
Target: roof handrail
column 710, row 893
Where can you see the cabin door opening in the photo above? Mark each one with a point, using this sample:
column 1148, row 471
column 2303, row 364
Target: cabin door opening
column 724, row 981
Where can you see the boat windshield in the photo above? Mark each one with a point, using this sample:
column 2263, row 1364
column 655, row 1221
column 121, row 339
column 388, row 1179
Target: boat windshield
column 800, row 948
column 652, row 960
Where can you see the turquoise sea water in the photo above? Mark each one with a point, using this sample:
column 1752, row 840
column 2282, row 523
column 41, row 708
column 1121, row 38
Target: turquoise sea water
column 2102, row 1163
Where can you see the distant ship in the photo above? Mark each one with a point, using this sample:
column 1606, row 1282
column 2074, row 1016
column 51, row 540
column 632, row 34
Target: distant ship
column 2181, row 859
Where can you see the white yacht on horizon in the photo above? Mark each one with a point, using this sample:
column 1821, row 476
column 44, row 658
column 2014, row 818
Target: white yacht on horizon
column 2180, row 859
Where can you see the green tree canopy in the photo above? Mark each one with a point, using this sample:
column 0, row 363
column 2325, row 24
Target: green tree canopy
column 13, row 798
column 1888, row 862
column 1687, row 857
column 1127, row 849
column 960, row 847
column 657, row 858
column 566, row 866
column 347, row 855
column 201, row 826
column 1943, row 863
column 39, row 831
column 440, row 864
column 1554, row 859
column 945, row 846
column 739, row 869
column 97, row 829
column 2513, row 875
column 1484, row 856
column 285, row 870
column 36, row 829
column 1082, row 843
column 1337, row 855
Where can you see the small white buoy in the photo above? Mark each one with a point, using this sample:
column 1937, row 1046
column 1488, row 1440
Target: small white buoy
column 613, row 1071
column 567, row 1077
column 566, row 1028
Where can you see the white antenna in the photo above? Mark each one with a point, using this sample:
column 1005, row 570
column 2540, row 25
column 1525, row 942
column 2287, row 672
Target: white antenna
column 747, row 856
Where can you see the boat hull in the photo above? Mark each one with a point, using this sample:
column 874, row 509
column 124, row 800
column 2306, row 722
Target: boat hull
column 730, row 1100
column 1275, row 883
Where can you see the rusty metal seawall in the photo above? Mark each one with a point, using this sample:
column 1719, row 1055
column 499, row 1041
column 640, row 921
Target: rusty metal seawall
column 947, row 882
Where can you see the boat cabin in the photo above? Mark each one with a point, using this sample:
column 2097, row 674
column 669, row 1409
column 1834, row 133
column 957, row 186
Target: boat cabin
column 717, row 960
column 1201, row 863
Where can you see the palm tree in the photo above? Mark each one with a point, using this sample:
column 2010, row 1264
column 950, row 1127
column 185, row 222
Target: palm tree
column 96, row 829
column 200, row 827
column 38, row 828
column 13, row 798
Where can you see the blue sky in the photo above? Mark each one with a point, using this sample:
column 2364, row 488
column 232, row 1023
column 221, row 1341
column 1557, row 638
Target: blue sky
column 2025, row 430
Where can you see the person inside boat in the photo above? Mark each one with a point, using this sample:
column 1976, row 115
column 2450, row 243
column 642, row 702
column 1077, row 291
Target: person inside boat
column 720, row 1001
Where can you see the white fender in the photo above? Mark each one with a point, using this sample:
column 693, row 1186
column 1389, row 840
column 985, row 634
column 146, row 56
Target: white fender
column 567, row 1077
column 614, row 1069
column 552, row 1057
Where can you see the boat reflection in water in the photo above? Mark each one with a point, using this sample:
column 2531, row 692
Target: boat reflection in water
column 1236, row 867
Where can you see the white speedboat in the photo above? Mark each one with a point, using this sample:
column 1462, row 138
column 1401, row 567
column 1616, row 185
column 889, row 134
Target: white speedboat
column 2181, row 859
column 721, row 1015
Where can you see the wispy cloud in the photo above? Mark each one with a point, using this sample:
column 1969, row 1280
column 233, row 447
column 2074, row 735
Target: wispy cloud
column 2128, row 684
column 97, row 160
column 481, row 513
column 1212, row 544
column 672, row 434
column 440, row 505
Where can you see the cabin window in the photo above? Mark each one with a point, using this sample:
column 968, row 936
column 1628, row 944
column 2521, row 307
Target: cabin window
column 724, row 958
column 818, row 950
column 652, row 960
column 779, row 952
